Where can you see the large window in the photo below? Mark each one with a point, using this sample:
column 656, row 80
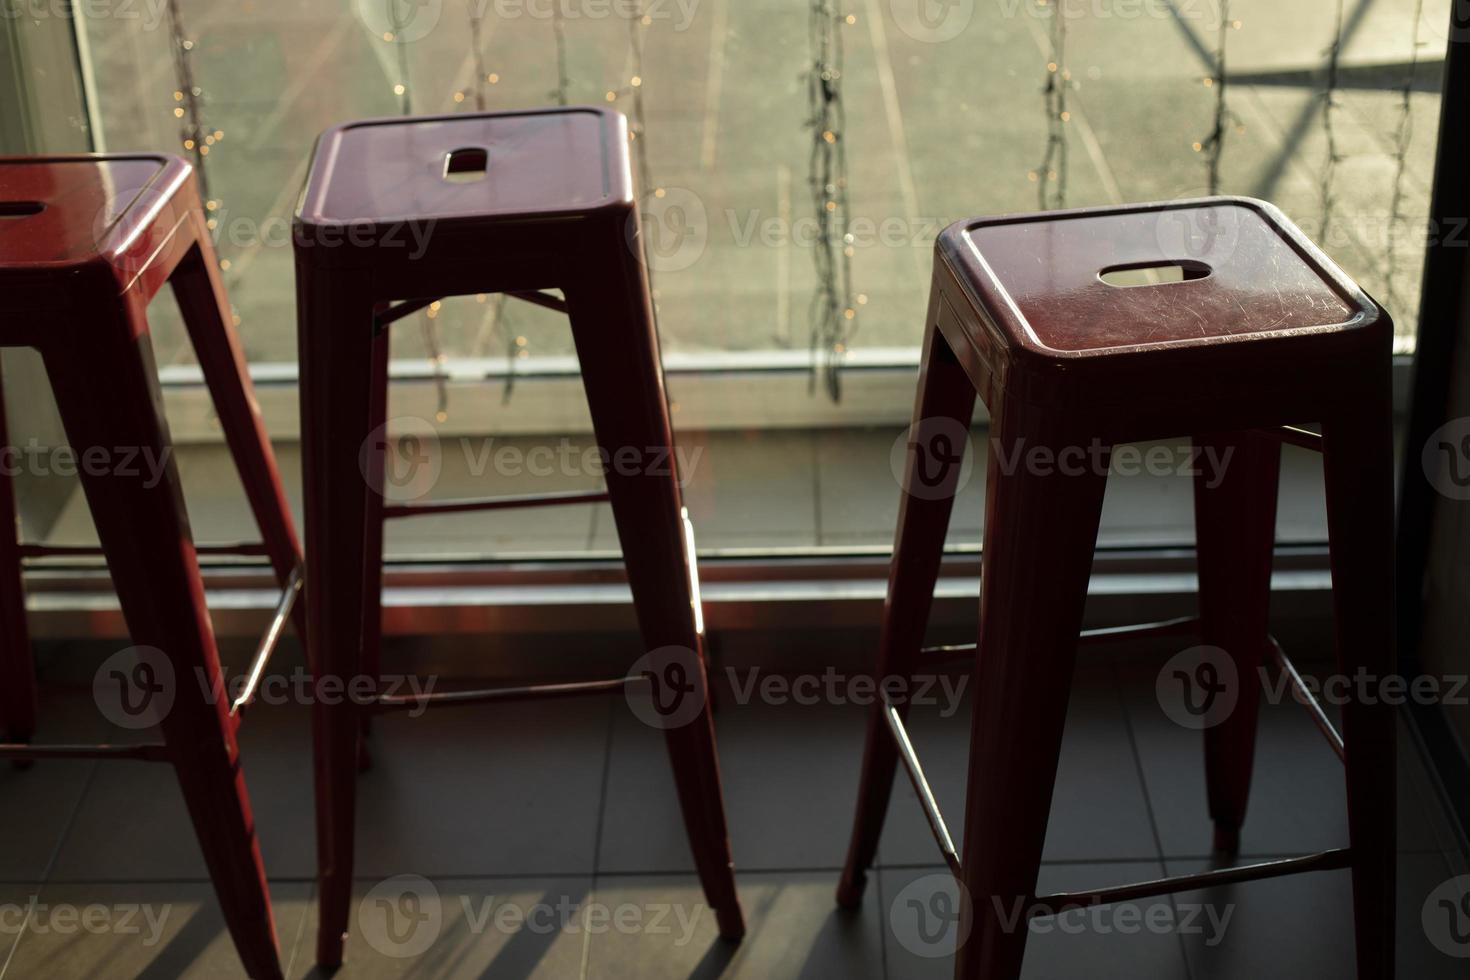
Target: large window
column 791, row 218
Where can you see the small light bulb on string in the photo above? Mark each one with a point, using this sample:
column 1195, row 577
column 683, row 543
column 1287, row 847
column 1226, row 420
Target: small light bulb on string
column 833, row 309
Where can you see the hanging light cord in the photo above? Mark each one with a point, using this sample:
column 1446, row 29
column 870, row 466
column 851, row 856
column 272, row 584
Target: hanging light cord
column 832, row 313
column 1051, row 176
column 1213, row 145
column 1329, row 103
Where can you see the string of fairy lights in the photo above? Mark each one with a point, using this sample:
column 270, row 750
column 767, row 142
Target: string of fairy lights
column 633, row 92
column 559, row 40
column 1051, row 176
column 194, row 136
column 497, row 317
column 832, row 310
column 1326, row 190
column 1213, row 145
column 833, row 313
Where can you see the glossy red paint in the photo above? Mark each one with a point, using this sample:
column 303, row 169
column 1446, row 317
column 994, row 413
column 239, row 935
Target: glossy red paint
column 85, row 243
column 387, row 215
column 1262, row 330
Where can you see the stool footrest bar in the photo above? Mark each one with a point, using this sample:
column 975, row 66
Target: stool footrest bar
column 92, row 550
column 503, row 502
column 1324, row 861
column 269, row 640
column 386, row 314
column 1307, row 699
column 921, row 786
column 541, row 299
column 932, row 656
column 147, row 752
column 392, row 702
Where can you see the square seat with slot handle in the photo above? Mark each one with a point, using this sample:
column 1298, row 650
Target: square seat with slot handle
column 114, row 214
column 436, row 184
column 1155, row 294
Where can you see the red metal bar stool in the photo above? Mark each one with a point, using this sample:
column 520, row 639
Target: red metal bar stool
column 1249, row 332
column 85, row 243
column 515, row 203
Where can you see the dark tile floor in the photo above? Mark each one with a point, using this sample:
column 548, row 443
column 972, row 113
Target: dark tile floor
column 544, row 841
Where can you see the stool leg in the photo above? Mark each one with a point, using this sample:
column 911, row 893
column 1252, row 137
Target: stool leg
column 1040, row 531
column 945, row 402
column 372, row 560
column 1235, row 531
column 17, row 666
column 336, row 343
column 612, row 325
column 108, row 395
column 1358, row 463
column 206, row 311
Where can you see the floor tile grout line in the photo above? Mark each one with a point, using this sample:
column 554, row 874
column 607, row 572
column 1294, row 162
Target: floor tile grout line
column 641, row 873
column 19, row 935
column 290, row 964
column 882, row 924
column 1148, row 803
column 70, row 822
column 607, row 741
column 653, row 872
column 61, row 837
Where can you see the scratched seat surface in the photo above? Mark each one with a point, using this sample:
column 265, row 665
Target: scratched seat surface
column 1196, row 272
column 68, row 210
column 489, row 166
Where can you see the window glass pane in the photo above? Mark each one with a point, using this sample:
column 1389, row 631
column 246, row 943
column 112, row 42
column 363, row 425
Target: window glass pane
column 947, row 110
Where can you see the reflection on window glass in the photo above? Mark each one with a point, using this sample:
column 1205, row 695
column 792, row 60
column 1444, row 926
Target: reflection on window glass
column 790, row 214
column 949, row 110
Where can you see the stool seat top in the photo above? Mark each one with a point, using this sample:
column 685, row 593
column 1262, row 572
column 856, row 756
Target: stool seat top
column 61, row 211
column 469, row 166
column 1203, row 271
